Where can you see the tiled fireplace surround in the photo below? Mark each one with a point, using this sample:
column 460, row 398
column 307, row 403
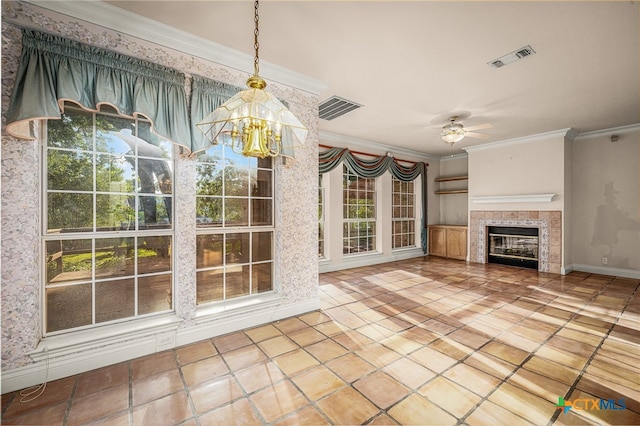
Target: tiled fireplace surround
column 549, row 224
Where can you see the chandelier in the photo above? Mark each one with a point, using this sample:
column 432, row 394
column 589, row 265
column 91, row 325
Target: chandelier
column 254, row 122
column 452, row 132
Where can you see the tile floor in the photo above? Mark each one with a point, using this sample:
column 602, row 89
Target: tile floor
column 423, row 341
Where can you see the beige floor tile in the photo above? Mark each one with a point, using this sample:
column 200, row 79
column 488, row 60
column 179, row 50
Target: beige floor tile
column 314, row 318
column 409, row 373
column 215, row 393
column 195, row 352
column 432, row 359
column 102, row 378
column 308, row 415
column 261, row 333
column 602, row 388
column 552, row 370
column 294, row 362
column 330, row 328
column 153, row 387
column 473, row 379
column 347, row 407
column 606, row 416
column 451, row 348
column 259, row 376
column 419, row 334
column 244, row 357
column 232, row 341
column 523, row 403
column 318, row 382
column 51, row 414
column 449, row 396
column 290, row 325
column 505, row 352
column 239, row 413
column 326, row 350
column 350, row 367
column 378, row 355
column 490, row 365
column 171, row 409
column 375, row 332
column 55, row 392
column 382, row 389
column 205, row 370
column 417, row 410
column 400, row 344
column 153, row 364
column 382, row 420
column 538, row 384
column 562, row 357
column 352, row 340
column 277, row 346
column 277, row 401
column 306, row 336
column 98, row 404
column 490, row 414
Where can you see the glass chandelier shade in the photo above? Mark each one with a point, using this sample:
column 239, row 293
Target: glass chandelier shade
column 254, row 122
column 452, row 133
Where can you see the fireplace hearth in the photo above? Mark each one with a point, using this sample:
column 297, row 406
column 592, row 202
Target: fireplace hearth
column 515, row 246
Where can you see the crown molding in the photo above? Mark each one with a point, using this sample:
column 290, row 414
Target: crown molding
column 349, row 141
column 621, row 130
column 454, row 157
column 123, row 21
column 568, row 132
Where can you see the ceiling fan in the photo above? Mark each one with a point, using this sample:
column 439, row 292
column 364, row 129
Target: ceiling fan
column 455, row 131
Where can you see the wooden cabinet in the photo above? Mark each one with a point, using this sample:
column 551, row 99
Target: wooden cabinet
column 448, row 241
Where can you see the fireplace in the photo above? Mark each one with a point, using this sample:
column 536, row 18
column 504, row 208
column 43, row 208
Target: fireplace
column 515, row 246
column 548, row 224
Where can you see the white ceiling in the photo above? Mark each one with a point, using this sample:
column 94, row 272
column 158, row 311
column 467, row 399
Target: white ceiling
column 413, row 64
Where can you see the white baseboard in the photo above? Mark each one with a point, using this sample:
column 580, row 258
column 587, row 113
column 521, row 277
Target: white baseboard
column 52, row 363
column 605, row 270
column 357, row 261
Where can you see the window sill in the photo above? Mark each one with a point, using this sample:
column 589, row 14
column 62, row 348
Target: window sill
column 234, row 306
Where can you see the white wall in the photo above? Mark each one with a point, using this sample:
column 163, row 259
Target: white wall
column 606, row 201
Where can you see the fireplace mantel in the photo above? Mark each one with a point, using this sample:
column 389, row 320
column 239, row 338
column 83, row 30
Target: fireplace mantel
column 531, row 198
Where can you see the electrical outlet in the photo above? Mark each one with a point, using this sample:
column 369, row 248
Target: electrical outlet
column 605, row 260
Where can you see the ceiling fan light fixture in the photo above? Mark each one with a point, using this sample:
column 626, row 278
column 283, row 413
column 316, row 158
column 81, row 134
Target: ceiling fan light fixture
column 452, row 132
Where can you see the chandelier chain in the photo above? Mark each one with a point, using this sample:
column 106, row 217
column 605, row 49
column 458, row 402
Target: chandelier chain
column 256, row 45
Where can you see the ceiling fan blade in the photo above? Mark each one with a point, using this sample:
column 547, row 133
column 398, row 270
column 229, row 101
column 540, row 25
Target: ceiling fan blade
column 479, row 127
column 476, row 135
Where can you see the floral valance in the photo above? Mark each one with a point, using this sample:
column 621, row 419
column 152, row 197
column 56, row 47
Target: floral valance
column 54, row 69
column 372, row 168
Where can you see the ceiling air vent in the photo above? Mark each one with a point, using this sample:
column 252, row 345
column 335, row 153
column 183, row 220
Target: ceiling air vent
column 335, row 106
column 512, row 57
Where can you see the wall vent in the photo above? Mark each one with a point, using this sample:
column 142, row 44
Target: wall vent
column 512, row 57
column 336, row 106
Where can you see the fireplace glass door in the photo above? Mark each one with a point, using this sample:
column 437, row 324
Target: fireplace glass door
column 513, row 246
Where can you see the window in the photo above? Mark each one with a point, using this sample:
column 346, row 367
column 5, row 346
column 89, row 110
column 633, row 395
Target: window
column 234, row 217
column 321, row 206
column 359, row 212
column 108, row 224
column 403, row 214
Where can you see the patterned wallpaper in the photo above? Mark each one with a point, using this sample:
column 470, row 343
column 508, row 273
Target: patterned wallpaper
column 296, row 266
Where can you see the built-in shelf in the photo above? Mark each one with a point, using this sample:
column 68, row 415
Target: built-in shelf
column 452, row 191
column 451, row 179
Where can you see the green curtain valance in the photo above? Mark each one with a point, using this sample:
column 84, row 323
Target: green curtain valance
column 372, row 168
column 54, row 69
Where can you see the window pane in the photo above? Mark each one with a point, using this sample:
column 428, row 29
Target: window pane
column 209, row 251
column 69, row 170
column 261, row 183
column 261, row 212
column 208, row 212
column 115, row 300
column 237, row 248
column 236, row 212
column 210, row 285
column 74, row 131
column 68, row 307
column 261, row 246
column 69, row 260
column 154, row 212
column 154, row 254
column 114, row 257
column 261, row 277
column 115, row 173
column 236, row 182
column 70, row 212
column 115, row 135
column 115, row 212
column 154, row 294
column 209, row 180
column 237, row 281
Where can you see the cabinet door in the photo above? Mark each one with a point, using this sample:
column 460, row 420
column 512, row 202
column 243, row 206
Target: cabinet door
column 457, row 243
column 438, row 242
